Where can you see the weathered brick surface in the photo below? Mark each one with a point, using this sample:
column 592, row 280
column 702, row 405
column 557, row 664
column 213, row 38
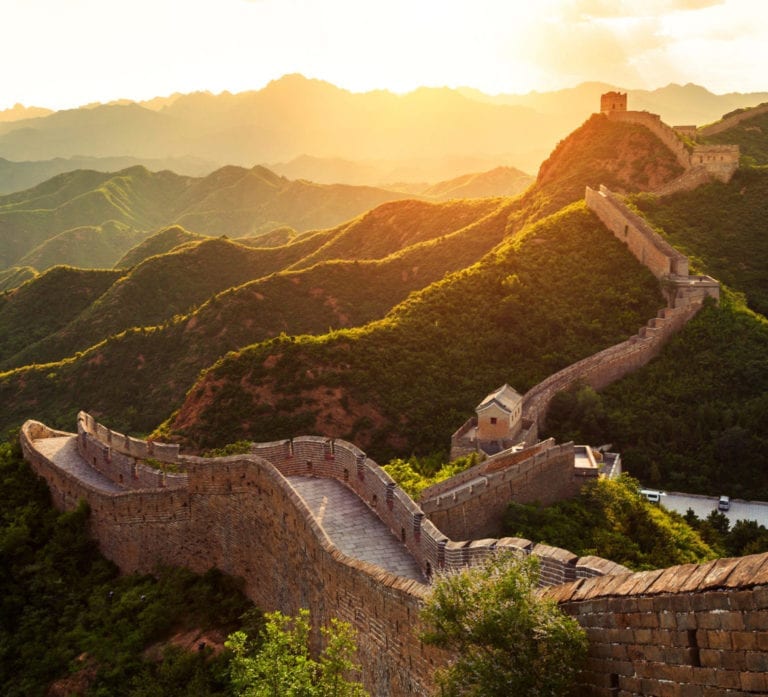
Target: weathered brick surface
column 702, row 637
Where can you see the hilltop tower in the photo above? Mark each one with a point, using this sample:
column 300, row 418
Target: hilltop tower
column 613, row 101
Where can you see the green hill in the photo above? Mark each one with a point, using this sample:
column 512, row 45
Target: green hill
column 161, row 242
column 696, row 418
column 134, row 199
column 169, row 284
column 751, row 135
column 140, row 375
column 14, row 276
column 136, row 378
column 47, row 303
column 391, row 227
column 723, row 228
column 276, row 237
column 92, row 219
column 405, row 383
column 501, row 181
column 157, row 289
column 86, row 247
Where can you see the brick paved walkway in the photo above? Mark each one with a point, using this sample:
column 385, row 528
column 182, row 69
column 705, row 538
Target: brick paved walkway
column 353, row 527
column 63, row 453
column 348, row 522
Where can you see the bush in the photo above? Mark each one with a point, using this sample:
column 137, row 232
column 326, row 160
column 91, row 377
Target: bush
column 507, row 638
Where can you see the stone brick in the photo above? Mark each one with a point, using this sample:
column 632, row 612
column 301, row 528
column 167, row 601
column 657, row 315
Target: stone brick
column 757, row 661
column 685, row 620
column 745, row 641
column 761, row 597
column 754, row 682
column 742, row 600
column 730, row 679
column 757, row 620
column 717, row 639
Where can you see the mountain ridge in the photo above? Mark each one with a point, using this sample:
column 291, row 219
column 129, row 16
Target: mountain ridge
column 269, row 125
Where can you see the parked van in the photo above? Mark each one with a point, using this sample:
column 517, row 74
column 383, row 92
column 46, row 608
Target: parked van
column 652, row 495
column 724, row 503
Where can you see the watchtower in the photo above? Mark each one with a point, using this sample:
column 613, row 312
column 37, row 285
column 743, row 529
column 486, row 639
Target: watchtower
column 613, row 101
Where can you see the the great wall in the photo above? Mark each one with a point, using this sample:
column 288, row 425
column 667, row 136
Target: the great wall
column 688, row 630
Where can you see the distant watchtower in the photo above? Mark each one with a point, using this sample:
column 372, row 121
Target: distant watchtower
column 613, row 101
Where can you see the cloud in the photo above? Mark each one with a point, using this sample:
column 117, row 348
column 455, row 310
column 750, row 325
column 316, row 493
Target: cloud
column 623, row 9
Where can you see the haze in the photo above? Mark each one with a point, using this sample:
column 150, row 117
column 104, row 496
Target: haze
column 66, row 54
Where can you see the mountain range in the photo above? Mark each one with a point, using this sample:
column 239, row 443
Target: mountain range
column 388, row 328
column 309, row 129
column 92, row 219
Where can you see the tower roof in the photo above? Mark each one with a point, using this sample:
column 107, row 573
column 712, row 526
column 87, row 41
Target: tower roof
column 505, row 397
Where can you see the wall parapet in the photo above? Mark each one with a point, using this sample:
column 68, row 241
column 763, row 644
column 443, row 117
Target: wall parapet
column 646, row 244
column 697, row 627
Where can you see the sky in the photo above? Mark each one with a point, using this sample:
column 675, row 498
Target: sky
column 67, row 53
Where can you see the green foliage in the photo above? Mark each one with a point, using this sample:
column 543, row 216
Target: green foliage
column 722, row 227
column 749, row 135
column 611, row 519
column 161, row 242
column 417, row 473
column 444, row 347
column 745, row 537
column 139, row 376
column 46, row 304
column 14, row 276
column 86, row 246
column 543, row 288
column 281, row 665
column 241, row 447
column 508, row 639
column 696, row 418
column 65, row 610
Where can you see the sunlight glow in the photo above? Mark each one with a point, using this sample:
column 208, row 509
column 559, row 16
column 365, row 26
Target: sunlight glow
column 64, row 54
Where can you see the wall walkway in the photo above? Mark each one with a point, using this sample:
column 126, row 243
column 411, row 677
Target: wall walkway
column 262, row 518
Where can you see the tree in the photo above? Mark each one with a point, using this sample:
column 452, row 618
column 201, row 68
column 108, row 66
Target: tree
column 281, row 665
column 508, row 638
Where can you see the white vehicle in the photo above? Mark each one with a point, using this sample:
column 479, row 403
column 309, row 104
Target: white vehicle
column 651, row 494
column 724, row 503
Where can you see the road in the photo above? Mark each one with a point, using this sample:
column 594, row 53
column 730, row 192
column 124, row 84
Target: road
column 703, row 505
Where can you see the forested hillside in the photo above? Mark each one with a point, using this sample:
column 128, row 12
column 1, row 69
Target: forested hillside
column 696, row 418
column 135, row 377
column 91, row 219
column 406, row 382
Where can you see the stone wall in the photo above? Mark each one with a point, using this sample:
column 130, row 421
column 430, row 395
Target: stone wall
column 611, row 364
column 686, row 630
column 645, row 244
column 241, row 515
column 491, row 464
column 688, row 181
column 708, row 161
column 118, row 457
column 687, row 294
column 475, row 507
column 731, row 121
column 721, row 161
